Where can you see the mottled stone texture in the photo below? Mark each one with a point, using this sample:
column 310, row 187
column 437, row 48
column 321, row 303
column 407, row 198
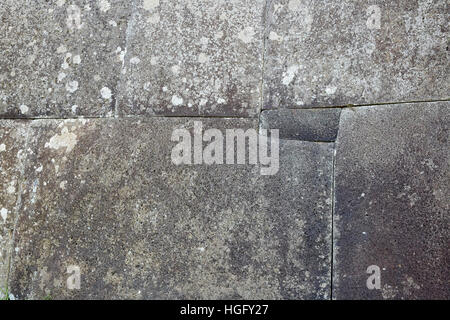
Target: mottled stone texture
column 321, row 53
column 12, row 149
column 299, row 207
column 199, row 57
column 320, row 125
column 104, row 195
column 61, row 58
column 392, row 208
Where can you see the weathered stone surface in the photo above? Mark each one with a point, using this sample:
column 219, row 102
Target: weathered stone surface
column 104, row 195
column 299, row 207
column 194, row 58
column 321, row 53
column 12, row 149
column 307, row 125
column 392, row 180
column 61, row 58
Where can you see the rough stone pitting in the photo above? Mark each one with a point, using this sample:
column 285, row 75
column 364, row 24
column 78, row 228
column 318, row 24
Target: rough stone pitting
column 392, row 206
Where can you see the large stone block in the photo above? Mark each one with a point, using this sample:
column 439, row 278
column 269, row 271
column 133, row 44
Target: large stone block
column 61, row 58
column 105, row 196
column 392, row 204
column 12, row 151
column 194, row 58
column 322, row 53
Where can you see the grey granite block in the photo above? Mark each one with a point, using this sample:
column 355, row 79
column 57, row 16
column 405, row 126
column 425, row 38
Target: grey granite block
column 12, row 150
column 104, row 195
column 306, row 125
column 194, row 58
column 392, row 204
column 61, row 58
column 323, row 53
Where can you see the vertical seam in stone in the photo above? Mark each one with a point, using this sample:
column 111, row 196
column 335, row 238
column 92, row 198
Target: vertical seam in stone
column 18, row 206
column 332, row 220
column 129, row 27
column 333, row 208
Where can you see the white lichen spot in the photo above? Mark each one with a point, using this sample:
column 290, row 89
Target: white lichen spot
column 122, row 55
column 221, row 101
column 175, row 69
column 2, row 147
column 11, row 189
column 204, row 41
column 106, row 93
column 72, row 86
column 60, row 3
column 246, row 35
column 203, row 58
column 104, row 5
column 73, row 20
column 61, row 76
column 298, row 6
column 201, row 249
column 203, row 102
column 24, row 109
column 289, row 75
column 4, row 214
column 153, row 60
column 113, row 23
column 74, row 108
column 39, row 169
column 330, row 90
column 135, row 60
column 154, row 18
column 177, row 101
column 63, row 184
column 66, row 140
column 77, row 59
column 150, row 4
column 61, row 49
column 274, row 36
